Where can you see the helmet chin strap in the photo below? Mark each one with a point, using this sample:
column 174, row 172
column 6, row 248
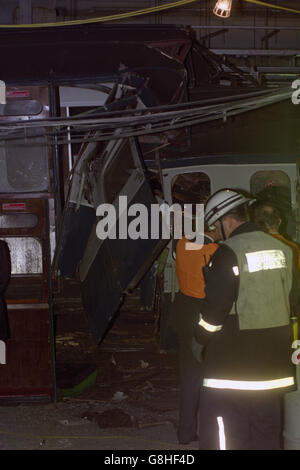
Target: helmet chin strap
column 222, row 229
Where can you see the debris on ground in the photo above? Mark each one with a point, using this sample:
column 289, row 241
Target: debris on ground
column 111, row 418
column 136, row 385
column 118, row 397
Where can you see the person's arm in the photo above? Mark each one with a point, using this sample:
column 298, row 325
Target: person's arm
column 5, row 266
column 295, row 295
column 221, row 287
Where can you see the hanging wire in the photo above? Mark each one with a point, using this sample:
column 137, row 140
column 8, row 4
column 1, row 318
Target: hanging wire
column 132, row 14
column 272, row 5
column 118, row 16
column 135, row 123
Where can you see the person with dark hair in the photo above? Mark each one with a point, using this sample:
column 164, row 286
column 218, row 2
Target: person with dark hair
column 269, row 218
column 244, row 322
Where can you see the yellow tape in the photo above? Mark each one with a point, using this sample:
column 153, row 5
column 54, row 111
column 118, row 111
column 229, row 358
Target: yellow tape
column 120, row 16
column 271, row 5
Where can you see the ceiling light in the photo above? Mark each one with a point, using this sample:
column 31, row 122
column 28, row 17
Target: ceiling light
column 223, row 8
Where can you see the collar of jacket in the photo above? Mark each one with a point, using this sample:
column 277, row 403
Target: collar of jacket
column 246, row 227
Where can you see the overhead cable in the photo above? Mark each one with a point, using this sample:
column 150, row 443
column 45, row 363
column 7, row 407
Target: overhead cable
column 272, row 5
column 118, row 16
column 137, row 124
column 132, row 14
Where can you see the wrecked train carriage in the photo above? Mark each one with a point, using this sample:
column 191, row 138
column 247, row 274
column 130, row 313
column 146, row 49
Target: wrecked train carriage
column 107, row 269
column 47, row 144
column 59, row 73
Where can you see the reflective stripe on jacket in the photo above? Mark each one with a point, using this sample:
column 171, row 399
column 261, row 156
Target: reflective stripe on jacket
column 245, row 317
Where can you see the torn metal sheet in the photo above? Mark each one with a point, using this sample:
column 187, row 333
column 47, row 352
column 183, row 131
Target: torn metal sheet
column 108, row 267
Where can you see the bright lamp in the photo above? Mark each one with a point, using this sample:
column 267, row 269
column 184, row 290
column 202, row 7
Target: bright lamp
column 223, row 8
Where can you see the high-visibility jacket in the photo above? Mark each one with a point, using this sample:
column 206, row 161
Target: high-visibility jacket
column 245, row 317
column 265, row 280
column 190, row 261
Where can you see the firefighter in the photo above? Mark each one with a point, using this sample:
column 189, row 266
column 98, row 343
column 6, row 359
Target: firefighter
column 190, row 260
column 244, row 321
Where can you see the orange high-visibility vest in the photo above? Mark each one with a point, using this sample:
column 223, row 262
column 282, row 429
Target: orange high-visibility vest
column 189, row 267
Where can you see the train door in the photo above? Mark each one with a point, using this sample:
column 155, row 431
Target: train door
column 28, row 368
column 27, row 373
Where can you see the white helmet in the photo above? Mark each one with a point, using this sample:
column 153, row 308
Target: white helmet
column 221, row 203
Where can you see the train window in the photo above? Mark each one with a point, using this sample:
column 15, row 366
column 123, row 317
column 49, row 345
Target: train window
column 24, row 162
column 26, row 255
column 191, row 188
column 18, row 221
column 272, row 185
column 118, row 172
column 82, row 100
column 21, row 108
